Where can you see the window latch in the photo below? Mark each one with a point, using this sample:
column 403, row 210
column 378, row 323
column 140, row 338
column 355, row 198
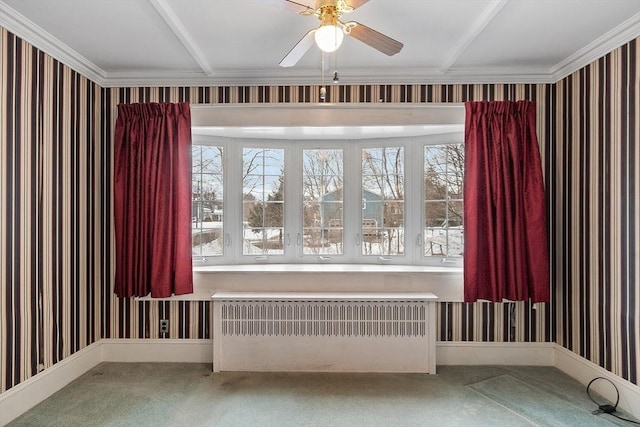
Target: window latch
column 324, row 258
column 448, row 261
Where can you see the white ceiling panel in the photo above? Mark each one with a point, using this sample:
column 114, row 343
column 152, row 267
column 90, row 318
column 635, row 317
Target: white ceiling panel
column 542, row 33
column 115, row 35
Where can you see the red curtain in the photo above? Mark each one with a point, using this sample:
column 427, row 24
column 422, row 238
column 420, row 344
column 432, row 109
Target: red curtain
column 506, row 253
column 152, row 200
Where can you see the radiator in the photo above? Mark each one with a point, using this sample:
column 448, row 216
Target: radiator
column 331, row 332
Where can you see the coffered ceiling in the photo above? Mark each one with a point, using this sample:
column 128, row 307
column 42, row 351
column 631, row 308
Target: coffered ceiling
column 241, row 42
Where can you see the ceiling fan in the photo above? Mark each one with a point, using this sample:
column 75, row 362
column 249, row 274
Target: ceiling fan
column 328, row 36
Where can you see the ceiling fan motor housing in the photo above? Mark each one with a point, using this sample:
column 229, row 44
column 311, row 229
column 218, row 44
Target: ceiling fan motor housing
column 331, row 10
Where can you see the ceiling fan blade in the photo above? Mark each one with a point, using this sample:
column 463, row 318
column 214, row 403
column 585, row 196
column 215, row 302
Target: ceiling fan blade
column 306, row 7
column 373, row 38
column 356, row 3
column 298, row 50
column 303, row 7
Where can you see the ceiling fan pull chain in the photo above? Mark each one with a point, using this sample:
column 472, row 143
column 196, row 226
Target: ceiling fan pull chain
column 336, row 79
column 323, row 89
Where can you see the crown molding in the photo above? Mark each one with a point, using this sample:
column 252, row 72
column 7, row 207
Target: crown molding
column 623, row 33
column 28, row 31
column 351, row 77
column 507, row 75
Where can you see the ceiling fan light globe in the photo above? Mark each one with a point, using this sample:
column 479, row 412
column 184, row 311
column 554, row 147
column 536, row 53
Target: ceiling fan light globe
column 329, row 38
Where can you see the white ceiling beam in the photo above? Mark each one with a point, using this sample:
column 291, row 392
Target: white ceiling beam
column 172, row 20
column 487, row 15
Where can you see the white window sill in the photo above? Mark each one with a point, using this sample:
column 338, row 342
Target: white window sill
column 445, row 282
column 326, row 268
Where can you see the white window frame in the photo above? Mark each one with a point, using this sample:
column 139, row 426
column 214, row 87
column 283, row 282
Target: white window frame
column 352, row 199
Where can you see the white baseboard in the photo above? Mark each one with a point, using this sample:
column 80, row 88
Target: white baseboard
column 157, row 350
column 447, row 353
column 494, row 353
column 541, row 354
column 29, row 393
column 584, row 371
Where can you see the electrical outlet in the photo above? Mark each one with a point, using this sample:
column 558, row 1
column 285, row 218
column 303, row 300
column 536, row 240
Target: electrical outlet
column 164, row 326
column 40, row 367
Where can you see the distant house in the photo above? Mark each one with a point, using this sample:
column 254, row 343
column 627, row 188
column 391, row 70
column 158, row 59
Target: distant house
column 206, row 212
column 331, row 209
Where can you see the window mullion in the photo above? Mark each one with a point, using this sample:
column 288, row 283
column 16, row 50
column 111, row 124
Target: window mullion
column 233, row 202
column 293, row 200
column 414, row 199
column 352, row 199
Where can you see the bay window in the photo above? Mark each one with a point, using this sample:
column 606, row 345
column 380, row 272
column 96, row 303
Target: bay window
column 377, row 200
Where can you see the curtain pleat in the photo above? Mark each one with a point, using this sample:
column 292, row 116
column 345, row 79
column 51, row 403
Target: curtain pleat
column 152, row 200
column 506, row 253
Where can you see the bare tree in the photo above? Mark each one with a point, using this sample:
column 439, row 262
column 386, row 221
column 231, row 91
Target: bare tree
column 443, row 181
column 322, row 172
column 444, row 166
column 383, row 173
column 269, row 213
column 207, row 180
column 207, row 159
column 322, row 175
column 251, row 163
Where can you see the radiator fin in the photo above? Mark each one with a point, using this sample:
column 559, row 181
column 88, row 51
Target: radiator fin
column 346, row 319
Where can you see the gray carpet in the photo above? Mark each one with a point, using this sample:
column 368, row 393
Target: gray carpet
column 171, row 394
column 549, row 409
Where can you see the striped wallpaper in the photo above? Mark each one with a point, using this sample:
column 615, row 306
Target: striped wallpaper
column 595, row 188
column 55, row 221
column 457, row 321
column 52, row 235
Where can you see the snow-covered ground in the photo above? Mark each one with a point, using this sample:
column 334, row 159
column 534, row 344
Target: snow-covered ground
column 435, row 243
column 436, row 239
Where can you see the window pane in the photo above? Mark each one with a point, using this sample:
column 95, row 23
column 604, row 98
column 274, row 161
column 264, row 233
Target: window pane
column 207, row 204
column 443, row 158
column 383, row 201
column 435, row 235
column 435, row 159
column 322, row 182
column 455, row 230
column 443, row 178
column 263, row 201
column 453, row 184
column 435, row 214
